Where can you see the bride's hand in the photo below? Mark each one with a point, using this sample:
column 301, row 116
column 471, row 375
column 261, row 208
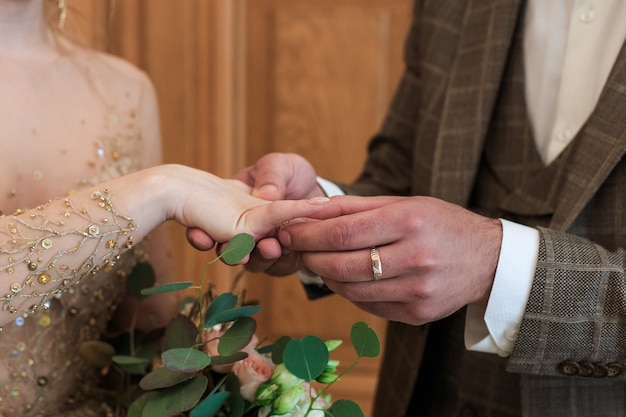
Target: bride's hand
column 221, row 208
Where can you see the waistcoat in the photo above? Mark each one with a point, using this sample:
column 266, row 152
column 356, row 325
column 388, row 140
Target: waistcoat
column 512, row 183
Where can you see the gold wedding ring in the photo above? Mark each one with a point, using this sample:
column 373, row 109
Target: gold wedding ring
column 377, row 266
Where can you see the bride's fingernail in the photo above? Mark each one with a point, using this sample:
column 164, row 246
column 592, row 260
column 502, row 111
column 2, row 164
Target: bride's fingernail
column 319, row 200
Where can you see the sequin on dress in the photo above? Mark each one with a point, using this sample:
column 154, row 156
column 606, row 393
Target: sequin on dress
column 42, row 372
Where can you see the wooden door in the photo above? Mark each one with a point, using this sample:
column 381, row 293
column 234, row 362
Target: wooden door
column 319, row 77
column 240, row 78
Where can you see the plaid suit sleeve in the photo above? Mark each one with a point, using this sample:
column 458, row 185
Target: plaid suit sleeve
column 575, row 320
column 400, row 155
column 387, row 170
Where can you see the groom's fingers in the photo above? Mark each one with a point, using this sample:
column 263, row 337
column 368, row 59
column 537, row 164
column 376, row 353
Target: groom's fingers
column 353, row 231
column 199, row 239
column 266, row 180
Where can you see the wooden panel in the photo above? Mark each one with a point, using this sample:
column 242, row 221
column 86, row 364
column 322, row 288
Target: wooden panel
column 319, row 79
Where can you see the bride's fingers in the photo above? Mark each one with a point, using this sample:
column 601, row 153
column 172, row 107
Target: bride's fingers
column 263, row 220
column 348, row 204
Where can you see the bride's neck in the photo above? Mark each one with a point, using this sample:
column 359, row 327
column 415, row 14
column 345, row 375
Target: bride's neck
column 23, row 28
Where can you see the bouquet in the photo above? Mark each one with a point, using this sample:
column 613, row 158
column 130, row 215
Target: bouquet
column 209, row 362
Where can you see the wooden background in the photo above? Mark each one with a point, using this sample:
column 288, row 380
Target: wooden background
column 239, row 78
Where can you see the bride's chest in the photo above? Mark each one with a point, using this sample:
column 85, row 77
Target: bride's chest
column 61, row 150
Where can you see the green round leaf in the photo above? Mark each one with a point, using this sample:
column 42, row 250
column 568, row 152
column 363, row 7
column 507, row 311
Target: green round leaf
column 236, row 313
column 163, row 378
column 365, row 340
column 136, row 408
column 172, row 401
column 210, row 405
column 236, row 402
column 185, row 360
column 237, row 336
column 141, row 277
column 306, row 358
column 222, row 302
column 238, row 248
column 180, row 332
column 174, row 286
column 129, row 360
column 222, row 360
column 131, row 364
column 344, row 408
column 278, row 349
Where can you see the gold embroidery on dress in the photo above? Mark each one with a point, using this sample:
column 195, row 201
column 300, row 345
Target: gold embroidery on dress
column 42, row 373
column 29, row 244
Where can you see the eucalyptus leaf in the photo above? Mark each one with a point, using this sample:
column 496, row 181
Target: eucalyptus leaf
column 128, row 360
column 172, row 401
column 141, row 277
column 170, row 287
column 344, row 408
column 237, row 248
column 236, row 402
column 147, row 349
column 266, row 349
column 279, row 349
column 136, row 408
column 180, row 332
column 306, row 358
column 163, row 378
column 365, row 340
column 237, row 336
column 185, row 360
column 210, row 405
column 132, row 364
column 236, row 313
column 222, row 360
column 222, row 302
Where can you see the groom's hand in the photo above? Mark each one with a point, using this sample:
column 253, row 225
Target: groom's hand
column 275, row 176
column 278, row 176
column 435, row 257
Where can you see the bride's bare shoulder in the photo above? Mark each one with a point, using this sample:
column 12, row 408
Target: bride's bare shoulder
column 116, row 74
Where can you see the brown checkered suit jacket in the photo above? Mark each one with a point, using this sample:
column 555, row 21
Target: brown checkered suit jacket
column 572, row 342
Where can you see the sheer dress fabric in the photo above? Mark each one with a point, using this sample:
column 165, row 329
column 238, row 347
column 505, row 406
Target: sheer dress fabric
column 42, row 373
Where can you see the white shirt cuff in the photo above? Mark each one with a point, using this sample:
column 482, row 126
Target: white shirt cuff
column 309, row 278
column 495, row 329
column 330, row 188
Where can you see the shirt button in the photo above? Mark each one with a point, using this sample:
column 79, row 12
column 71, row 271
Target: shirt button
column 564, row 135
column 587, row 15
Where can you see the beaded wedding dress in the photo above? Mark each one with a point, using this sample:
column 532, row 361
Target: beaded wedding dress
column 56, row 140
